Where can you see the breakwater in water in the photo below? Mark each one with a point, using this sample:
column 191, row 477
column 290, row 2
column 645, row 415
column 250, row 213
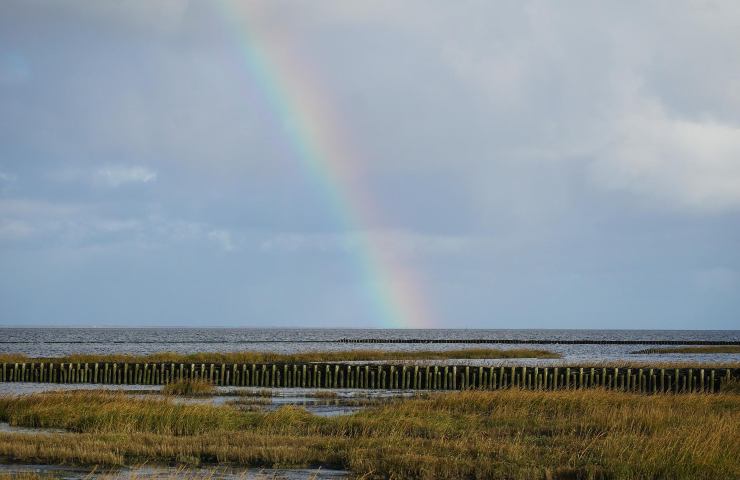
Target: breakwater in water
column 376, row 376
column 583, row 341
column 474, row 341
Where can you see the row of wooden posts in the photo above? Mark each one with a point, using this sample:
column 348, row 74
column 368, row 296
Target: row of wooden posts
column 375, row 376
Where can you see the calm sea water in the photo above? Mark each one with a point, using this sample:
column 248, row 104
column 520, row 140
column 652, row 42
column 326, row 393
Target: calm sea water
column 64, row 341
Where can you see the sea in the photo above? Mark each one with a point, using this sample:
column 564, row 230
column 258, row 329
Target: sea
column 52, row 342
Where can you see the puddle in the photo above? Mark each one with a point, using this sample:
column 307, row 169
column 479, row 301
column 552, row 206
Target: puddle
column 25, row 388
column 320, row 407
column 317, row 406
column 321, row 402
column 5, row 427
column 161, row 473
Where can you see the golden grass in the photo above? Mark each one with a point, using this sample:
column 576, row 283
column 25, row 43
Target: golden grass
column 190, row 388
column 701, row 349
column 270, row 357
column 473, row 434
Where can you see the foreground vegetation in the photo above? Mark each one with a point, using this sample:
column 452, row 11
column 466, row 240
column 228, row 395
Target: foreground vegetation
column 471, row 434
column 271, row 357
column 702, row 349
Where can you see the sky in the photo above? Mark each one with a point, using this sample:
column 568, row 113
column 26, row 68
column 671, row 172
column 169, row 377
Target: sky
column 425, row 164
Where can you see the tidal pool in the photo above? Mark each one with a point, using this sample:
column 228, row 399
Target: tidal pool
column 149, row 472
column 321, row 402
column 5, row 427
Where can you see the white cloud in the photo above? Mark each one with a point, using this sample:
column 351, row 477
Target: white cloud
column 38, row 209
column 7, row 177
column 6, row 181
column 15, row 230
column 223, row 239
column 683, row 162
column 81, row 226
column 27, row 218
column 117, row 175
column 116, row 225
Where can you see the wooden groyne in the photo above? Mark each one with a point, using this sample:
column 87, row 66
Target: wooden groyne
column 375, row 376
column 540, row 341
column 492, row 341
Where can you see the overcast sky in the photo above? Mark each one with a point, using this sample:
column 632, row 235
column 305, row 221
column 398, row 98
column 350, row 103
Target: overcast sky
column 533, row 164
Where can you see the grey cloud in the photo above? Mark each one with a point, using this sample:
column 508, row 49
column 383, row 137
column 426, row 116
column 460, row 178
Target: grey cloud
column 528, row 160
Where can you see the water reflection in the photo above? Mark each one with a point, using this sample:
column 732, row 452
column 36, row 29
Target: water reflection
column 321, row 402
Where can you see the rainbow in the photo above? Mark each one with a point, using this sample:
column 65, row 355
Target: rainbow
column 303, row 111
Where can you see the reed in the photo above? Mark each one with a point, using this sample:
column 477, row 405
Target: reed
column 472, row 434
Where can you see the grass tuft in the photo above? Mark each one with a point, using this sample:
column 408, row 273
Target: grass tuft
column 190, row 388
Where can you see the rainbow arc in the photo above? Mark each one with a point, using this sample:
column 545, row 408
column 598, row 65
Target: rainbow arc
column 303, row 111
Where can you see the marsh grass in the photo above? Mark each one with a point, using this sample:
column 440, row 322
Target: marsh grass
column 511, row 434
column 731, row 386
column 190, row 388
column 698, row 349
column 270, row 357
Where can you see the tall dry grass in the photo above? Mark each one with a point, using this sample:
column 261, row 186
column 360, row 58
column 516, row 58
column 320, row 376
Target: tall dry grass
column 472, row 434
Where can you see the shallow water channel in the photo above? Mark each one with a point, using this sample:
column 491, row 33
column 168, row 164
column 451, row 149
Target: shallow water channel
column 321, row 402
column 148, row 472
